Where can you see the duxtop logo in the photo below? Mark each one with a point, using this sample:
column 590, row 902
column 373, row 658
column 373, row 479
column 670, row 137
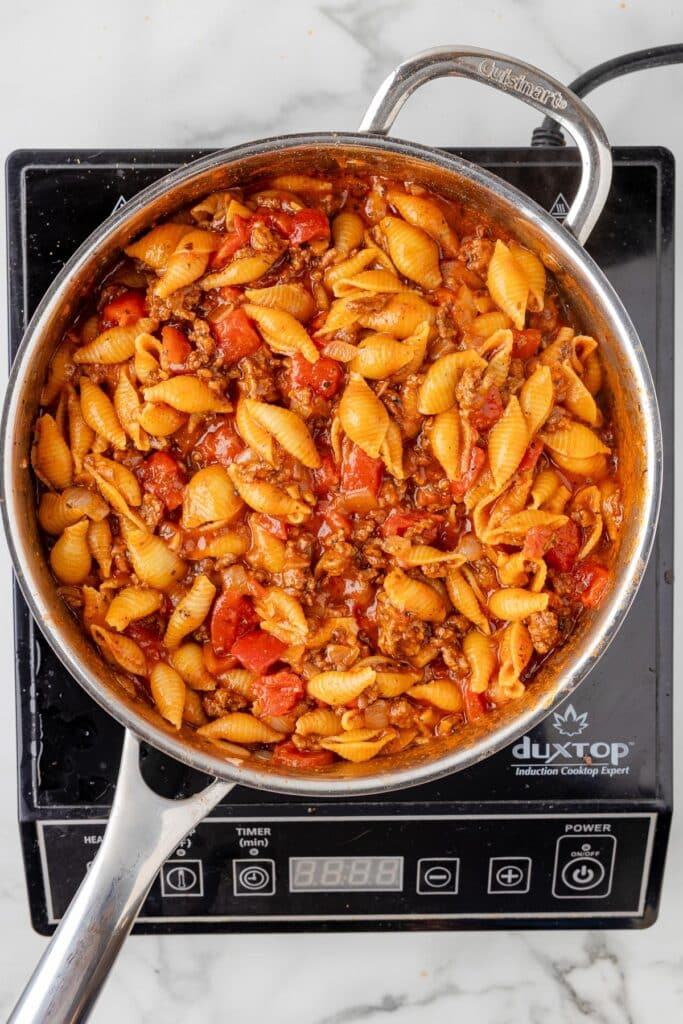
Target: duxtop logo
column 571, row 757
column 570, row 723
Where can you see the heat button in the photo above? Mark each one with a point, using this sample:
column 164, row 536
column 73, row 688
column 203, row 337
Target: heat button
column 583, row 867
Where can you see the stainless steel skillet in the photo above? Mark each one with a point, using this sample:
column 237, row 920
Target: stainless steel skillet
column 144, row 828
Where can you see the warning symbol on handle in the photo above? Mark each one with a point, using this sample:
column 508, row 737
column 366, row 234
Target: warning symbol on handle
column 560, row 207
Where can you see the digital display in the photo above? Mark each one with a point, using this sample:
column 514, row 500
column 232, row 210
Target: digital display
column 345, row 874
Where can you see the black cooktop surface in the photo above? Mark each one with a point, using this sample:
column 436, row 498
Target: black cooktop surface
column 607, row 749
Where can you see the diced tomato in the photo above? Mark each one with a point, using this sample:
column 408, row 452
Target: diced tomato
column 287, row 754
column 232, row 617
column 324, row 376
column 536, row 541
column 233, row 241
column 531, row 456
column 278, row 527
column 258, row 650
column 396, row 523
column 124, row 311
column 565, row 546
column 149, row 641
column 326, row 477
column 591, row 582
column 279, row 693
column 235, row 336
column 361, row 477
column 474, row 703
column 308, row 225
column 175, row 349
column 489, row 411
column 276, row 220
column 213, row 664
column 526, row 343
column 163, row 476
column 221, row 443
column 229, row 294
column 328, row 519
column 459, row 488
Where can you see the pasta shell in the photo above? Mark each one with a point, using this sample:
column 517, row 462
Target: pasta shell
column 592, row 373
column 319, row 722
column 209, row 497
column 131, row 604
column 220, row 546
column 515, row 653
column 301, row 183
column 58, row 371
column 559, row 499
column 120, row 650
column 287, row 428
column 100, row 415
column 127, row 406
column 99, row 540
column 152, row 559
column 594, row 467
column 116, row 500
column 358, row 745
column 544, row 486
column 414, row 596
column 575, row 441
column 57, row 511
column 193, row 710
column 414, row 253
column 239, row 727
column 291, row 298
column 445, row 440
column 70, row 557
column 514, row 604
column 401, row 315
column 349, row 268
column 611, row 507
column 347, row 231
column 81, row 437
column 187, row 394
column 337, row 688
column 380, row 356
column 156, row 246
column 159, row 419
column 481, row 657
column 188, row 661
column 442, row 693
column 258, row 439
column 391, row 450
column 190, row 611
column 117, row 474
column 507, row 284
column 282, row 332
column 578, row 398
column 146, row 359
column 240, row 271
column 438, row 391
column 465, row 600
column 184, row 267
column 376, row 282
column 281, row 615
column 537, row 398
column 508, row 441
column 115, row 345
column 534, row 272
column 426, row 214
column 393, row 684
column 265, row 497
column 95, row 605
column 487, row 324
column 514, row 528
column 266, row 551
column 168, row 692
column 363, row 416
column 51, row 456
column 414, row 555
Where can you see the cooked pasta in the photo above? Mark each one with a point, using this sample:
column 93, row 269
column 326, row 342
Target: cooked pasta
column 336, row 477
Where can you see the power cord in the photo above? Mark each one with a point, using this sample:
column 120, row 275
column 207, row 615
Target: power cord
column 549, row 132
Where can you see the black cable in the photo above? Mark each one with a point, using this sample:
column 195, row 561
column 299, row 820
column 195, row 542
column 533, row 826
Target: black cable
column 549, row 132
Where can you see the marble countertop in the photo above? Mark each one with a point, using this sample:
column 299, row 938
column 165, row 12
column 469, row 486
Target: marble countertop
column 167, row 73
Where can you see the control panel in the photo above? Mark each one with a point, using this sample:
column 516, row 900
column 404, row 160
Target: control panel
column 328, row 868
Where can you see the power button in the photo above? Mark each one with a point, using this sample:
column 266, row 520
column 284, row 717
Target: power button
column 583, row 867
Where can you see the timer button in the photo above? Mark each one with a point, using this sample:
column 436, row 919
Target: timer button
column 437, row 876
column 253, row 877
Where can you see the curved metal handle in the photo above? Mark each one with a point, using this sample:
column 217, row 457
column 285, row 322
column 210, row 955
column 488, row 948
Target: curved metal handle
column 143, row 829
column 533, row 87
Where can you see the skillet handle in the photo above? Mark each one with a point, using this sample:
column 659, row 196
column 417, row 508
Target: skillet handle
column 533, row 87
column 143, row 830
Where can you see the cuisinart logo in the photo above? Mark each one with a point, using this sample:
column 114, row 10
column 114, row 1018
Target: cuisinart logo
column 572, row 756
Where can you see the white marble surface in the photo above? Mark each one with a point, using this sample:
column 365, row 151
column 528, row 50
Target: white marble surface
column 169, row 73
